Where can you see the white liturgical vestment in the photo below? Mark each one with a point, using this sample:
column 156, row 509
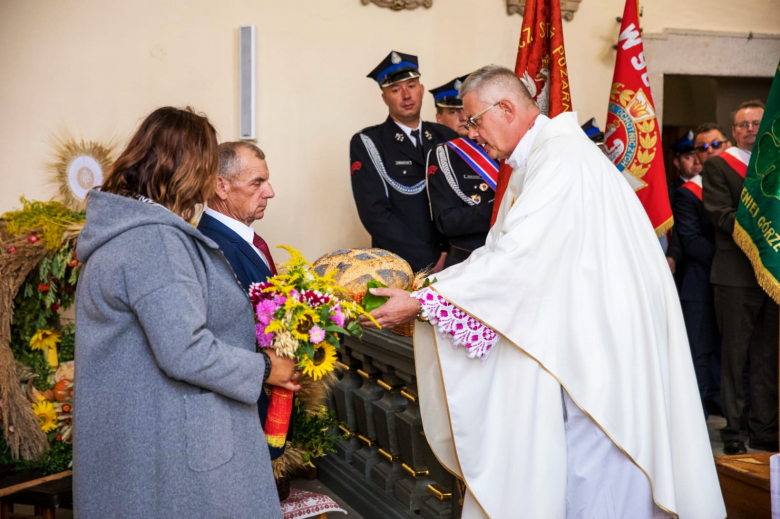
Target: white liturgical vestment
column 587, row 406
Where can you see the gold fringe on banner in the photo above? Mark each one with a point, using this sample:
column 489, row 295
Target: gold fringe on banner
column 664, row 227
column 765, row 278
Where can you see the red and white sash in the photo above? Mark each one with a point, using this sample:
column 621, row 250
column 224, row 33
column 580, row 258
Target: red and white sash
column 694, row 186
column 477, row 159
column 738, row 160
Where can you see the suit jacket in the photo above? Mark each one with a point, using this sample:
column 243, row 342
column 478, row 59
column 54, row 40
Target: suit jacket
column 674, row 250
column 721, row 191
column 461, row 210
column 396, row 215
column 243, row 258
column 248, row 268
column 697, row 237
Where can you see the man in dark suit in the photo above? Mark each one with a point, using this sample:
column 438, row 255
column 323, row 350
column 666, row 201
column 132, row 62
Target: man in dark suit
column 388, row 168
column 241, row 197
column 696, row 236
column 461, row 181
column 747, row 316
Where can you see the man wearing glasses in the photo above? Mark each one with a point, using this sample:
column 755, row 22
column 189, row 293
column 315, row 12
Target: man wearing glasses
column 388, row 168
column 708, row 141
column 560, row 344
column 747, row 316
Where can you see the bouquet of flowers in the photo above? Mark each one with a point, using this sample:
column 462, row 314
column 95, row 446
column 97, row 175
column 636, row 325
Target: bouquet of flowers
column 299, row 315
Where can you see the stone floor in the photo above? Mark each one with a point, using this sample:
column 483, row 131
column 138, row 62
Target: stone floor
column 713, row 425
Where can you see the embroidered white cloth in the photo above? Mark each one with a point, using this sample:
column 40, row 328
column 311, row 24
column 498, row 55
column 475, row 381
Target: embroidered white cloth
column 302, row 504
column 460, row 327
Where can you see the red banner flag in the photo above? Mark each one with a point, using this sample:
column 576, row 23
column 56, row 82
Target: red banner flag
column 632, row 136
column 541, row 65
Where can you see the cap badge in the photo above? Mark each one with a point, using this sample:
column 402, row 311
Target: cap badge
column 428, row 135
column 458, row 84
column 483, row 187
column 395, row 58
column 476, row 198
column 399, row 137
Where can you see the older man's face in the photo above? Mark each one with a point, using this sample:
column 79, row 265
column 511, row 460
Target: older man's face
column 491, row 129
column 248, row 193
column 745, row 126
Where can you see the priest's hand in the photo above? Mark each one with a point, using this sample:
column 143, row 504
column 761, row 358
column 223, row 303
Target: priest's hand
column 400, row 308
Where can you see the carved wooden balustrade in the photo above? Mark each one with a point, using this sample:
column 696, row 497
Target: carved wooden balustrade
column 385, row 468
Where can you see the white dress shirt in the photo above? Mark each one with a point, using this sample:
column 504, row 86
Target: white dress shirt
column 243, row 230
column 408, row 131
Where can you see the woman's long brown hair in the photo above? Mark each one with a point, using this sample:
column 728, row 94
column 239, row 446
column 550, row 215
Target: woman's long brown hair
column 172, row 159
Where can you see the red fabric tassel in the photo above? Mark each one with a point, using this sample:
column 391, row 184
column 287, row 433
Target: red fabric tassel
column 278, row 420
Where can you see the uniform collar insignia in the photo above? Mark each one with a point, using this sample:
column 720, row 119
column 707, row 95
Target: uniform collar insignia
column 428, row 135
column 399, row 137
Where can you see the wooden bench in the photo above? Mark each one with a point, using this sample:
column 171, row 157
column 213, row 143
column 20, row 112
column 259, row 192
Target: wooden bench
column 744, row 481
column 44, row 494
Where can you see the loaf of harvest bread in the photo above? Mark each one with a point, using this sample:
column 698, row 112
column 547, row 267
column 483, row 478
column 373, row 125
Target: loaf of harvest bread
column 356, row 267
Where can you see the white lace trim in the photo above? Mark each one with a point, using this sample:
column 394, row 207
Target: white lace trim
column 456, row 325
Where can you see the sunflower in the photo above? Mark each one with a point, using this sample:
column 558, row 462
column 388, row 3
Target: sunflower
column 324, row 361
column 47, row 341
column 47, row 416
column 303, row 324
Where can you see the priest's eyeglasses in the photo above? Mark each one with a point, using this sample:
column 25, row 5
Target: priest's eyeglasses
column 715, row 145
column 747, row 124
column 472, row 121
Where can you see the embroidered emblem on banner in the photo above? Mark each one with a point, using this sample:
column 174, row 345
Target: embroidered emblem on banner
column 630, row 139
column 477, row 159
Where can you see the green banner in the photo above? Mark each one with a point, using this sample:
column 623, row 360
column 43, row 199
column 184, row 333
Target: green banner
column 757, row 229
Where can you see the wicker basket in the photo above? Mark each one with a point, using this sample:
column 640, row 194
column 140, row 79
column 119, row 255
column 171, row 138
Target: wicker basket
column 406, row 329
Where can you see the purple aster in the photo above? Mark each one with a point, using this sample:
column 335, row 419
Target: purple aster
column 316, row 334
column 264, row 340
column 265, row 311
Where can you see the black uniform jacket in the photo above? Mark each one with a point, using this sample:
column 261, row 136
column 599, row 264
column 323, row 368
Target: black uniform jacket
column 461, row 201
column 393, row 204
column 722, row 188
column 697, row 236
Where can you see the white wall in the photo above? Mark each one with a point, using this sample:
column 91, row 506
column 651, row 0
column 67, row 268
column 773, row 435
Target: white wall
column 98, row 67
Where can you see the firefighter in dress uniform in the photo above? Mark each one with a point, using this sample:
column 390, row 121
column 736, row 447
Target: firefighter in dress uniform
column 388, row 168
column 461, row 182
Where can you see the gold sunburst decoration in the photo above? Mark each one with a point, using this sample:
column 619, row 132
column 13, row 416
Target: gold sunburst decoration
column 77, row 166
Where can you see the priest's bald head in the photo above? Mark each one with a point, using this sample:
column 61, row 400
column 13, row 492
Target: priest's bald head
column 499, row 109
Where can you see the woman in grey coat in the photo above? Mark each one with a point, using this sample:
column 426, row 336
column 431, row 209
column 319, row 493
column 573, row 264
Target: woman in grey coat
column 167, row 374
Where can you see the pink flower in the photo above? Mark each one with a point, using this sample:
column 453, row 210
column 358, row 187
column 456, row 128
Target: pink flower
column 337, row 317
column 264, row 340
column 280, row 300
column 265, row 311
column 316, row 334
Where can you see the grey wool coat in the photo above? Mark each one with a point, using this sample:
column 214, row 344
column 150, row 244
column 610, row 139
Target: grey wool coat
column 167, row 378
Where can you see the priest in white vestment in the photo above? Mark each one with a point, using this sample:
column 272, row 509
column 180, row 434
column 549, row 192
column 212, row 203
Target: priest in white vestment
column 554, row 372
